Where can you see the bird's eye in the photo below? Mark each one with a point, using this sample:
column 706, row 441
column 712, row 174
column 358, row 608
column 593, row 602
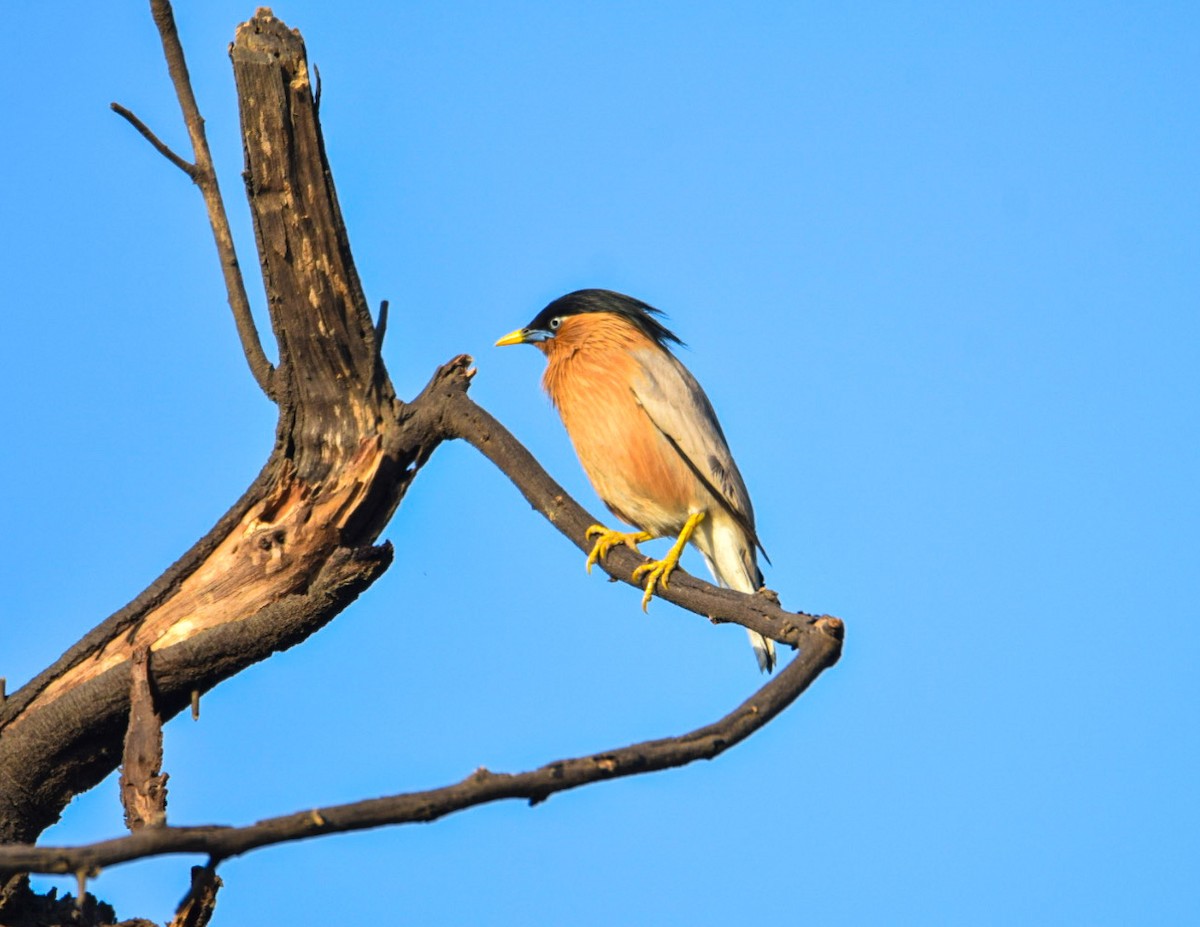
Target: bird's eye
column 554, row 323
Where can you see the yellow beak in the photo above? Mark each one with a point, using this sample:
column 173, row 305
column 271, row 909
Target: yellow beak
column 517, row 337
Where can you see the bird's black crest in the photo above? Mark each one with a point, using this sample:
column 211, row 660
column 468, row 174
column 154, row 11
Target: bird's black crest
column 636, row 311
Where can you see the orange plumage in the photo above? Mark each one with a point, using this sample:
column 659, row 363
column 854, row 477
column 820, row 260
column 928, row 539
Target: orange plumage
column 647, row 437
column 590, row 364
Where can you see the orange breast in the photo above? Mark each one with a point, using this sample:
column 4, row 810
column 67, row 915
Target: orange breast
column 633, row 468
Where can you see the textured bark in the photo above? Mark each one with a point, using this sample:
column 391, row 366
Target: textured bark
column 143, row 784
column 296, row 548
column 197, row 907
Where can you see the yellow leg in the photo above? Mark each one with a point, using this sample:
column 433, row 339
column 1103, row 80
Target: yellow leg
column 606, row 540
column 660, row 570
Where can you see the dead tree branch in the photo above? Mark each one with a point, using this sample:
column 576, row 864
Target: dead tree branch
column 204, row 175
column 480, row 787
column 159, row 145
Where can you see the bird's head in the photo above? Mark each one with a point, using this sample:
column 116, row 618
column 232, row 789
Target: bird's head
column 569, row 312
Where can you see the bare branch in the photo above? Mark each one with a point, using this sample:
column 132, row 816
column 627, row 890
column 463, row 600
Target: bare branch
column 163, row 149
column 205, row 177
column 481, row 787
column 462, row 418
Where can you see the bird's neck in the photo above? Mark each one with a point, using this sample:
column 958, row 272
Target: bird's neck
column 589, row 348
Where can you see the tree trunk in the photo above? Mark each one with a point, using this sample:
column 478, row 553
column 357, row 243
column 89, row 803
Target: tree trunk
column 297, row 547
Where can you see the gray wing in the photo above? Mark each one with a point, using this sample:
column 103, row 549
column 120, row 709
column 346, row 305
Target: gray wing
column 680, row 410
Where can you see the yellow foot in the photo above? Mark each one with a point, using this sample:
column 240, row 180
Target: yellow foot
column 606, row 540
column 659, row 571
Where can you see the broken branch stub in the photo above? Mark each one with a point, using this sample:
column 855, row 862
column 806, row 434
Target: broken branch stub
column 143, row 784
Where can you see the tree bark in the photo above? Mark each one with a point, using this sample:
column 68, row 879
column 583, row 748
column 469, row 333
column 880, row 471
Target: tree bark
column 297, row 547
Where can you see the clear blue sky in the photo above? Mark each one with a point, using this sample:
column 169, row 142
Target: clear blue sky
column 938, row 267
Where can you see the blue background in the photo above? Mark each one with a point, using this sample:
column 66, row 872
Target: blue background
column 939, row 271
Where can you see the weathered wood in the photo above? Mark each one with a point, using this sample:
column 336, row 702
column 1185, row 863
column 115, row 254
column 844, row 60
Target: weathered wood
column 197, row 907
column 143, row 783
column 296, row 548
column 333, row 386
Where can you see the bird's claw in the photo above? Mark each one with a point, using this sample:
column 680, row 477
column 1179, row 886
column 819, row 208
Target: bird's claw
column 607, row 539
column 658, row 572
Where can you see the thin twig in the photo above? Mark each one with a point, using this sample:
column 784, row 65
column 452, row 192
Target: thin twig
column 481, row 787
column 377, row 341
column 381, row 325
column 162, row 147
column 205, row 177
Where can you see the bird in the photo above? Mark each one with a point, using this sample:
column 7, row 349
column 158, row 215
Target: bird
column 648, row 439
